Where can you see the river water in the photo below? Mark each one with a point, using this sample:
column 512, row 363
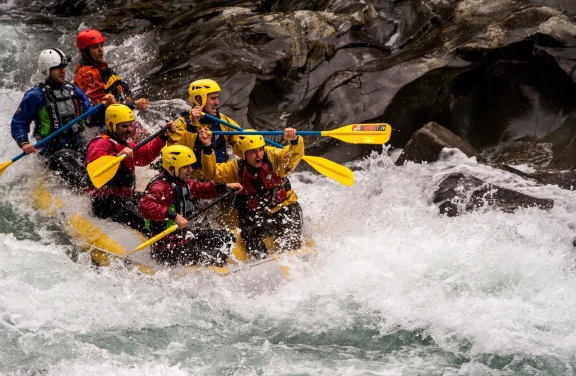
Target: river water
column 395, row 288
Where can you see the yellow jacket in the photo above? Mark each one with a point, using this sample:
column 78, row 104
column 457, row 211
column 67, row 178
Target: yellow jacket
column 283, row 162
column 183, row 137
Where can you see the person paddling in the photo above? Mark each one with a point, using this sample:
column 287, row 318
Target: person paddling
column 169, row 199
column 97, row 79
column 204, row 94
column 52, row 104
column 116, row 199
column 267, row 205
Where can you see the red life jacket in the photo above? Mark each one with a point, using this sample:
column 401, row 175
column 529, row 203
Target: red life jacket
column 183, row 205
column 122, row 184
column 263, row 189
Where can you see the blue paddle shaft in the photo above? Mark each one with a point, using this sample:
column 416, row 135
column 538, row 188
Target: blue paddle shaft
column 268, row 133
column 240, row 129
column 55, row 134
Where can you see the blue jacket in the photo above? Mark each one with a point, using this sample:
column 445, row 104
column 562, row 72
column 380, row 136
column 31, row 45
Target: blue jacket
column 30, row 109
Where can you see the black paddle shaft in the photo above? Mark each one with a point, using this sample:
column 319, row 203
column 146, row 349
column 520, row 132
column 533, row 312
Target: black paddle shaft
column 214, row 202
column 150, row 138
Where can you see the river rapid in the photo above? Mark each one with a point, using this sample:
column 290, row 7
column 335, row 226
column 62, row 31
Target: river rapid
column 395, row 289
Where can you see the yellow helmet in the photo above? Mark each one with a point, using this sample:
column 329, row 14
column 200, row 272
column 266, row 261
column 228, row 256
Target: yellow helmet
column 247, row 142
column 117, row 113
column 202, row 88
column 177, row 156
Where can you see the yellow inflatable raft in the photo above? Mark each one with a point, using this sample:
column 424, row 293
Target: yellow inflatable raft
column 108, row 243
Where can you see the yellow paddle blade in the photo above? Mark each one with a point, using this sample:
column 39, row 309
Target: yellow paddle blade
column 154, row 239
column 333, row 170
column 375, row 134
column 103, row 169
column 4, row 166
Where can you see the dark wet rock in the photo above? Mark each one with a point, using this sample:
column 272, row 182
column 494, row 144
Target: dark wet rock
column 428, row 142
column 490, row 71
column 564, row 146
column 67, row 7
column 138, row 18
column 525, row 151
column 565, row 6
column 459, row 193
column 116, row 16
column 563, row 179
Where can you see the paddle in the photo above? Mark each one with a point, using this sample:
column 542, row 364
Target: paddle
column 173, row 228
column 374, row 134
column 94, row 109
column 333, row 170
column 103, row 169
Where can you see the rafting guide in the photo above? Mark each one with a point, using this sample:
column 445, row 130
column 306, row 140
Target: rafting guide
column 55, row 106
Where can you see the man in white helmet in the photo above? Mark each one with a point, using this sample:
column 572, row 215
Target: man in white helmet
column 51, row 105
column 204, row 94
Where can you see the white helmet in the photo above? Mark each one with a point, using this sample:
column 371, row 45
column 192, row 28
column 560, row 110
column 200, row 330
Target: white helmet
column 51, row 58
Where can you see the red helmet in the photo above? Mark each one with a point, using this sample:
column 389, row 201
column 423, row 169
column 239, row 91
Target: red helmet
column 88, row 37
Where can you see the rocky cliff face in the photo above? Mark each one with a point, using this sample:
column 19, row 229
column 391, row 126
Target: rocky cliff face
column 495, row 72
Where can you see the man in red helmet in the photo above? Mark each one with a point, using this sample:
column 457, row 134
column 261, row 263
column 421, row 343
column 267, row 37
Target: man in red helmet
column 96, row 78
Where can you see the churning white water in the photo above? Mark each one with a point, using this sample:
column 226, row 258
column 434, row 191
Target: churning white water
column 395, row 289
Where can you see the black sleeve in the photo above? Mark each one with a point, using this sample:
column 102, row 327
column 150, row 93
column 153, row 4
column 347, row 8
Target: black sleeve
column 170, row 214
column 131, row 104
column 220, row 188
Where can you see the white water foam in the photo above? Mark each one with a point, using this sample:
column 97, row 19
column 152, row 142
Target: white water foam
column 480, row 285
column 503, row 283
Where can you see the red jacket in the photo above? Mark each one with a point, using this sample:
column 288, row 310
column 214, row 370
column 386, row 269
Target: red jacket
column 123, row 183
column 159, row 196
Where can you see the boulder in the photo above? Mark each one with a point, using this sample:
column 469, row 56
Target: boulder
column 563, row 179
column 459, row 193
column 428, row 141
column 525, row 151
column 490, row 71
